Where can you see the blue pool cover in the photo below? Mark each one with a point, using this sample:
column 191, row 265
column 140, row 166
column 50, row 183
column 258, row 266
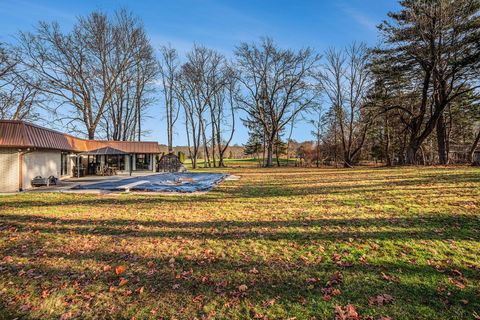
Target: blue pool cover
column 186, row 182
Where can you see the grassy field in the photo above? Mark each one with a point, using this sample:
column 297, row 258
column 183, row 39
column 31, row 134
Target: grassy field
column 366, row 243
column 242, row 163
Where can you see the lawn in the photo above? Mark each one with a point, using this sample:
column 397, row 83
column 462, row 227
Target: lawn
column 400, row 243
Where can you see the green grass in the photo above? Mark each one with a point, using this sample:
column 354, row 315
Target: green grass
column 242, row 163
column 279, row 243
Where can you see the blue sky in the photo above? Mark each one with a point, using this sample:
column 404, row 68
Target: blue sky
column 220, row 25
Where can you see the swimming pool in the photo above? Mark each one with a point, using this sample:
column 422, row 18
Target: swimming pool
column 186, row 182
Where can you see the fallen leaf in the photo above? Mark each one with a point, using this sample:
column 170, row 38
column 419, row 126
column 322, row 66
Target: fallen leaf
column 380, row 300
column 120, row 269
column 388, row 278
column 456, row 283
column 347, row 313
column 122, row 282
column 45, row 294
column 457, row 273
column 242, row 288
column 336, row 292
column 269, row 303
column 66, row 316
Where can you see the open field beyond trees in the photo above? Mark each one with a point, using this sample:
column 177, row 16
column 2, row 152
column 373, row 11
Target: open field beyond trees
column 284, row 243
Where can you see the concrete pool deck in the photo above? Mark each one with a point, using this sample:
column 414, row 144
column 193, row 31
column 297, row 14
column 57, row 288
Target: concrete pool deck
column 188, row 182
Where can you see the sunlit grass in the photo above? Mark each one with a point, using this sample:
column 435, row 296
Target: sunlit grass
column 265, row 246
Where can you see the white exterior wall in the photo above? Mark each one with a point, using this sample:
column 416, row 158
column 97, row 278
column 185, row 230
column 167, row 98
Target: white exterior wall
column 40, row 163
column 9, row 170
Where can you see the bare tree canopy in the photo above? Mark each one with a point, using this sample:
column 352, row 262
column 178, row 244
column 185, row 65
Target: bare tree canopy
column 18, row 99
column 346, row 80
column 206, row 90
column 82, row 68
column 169, row 72
column 277, row 84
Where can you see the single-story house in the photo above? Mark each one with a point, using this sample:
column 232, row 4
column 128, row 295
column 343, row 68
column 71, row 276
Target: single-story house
column 28, row 150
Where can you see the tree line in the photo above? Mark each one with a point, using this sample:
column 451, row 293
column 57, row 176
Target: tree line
column 409, row 100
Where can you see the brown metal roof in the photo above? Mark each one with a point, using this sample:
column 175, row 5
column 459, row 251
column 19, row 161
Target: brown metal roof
column 20, row 134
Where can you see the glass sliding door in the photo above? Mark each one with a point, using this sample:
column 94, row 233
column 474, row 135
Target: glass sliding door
column 116, row 161
column 64, row 164
column 142, row 161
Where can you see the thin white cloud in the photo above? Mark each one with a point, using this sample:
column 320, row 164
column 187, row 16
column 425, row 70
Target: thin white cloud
column 359, row 17
column 30, row 9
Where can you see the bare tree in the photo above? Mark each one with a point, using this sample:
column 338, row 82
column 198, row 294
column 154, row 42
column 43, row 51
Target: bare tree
column 169, row 68
column 317, row 133
column 206, row 88
column 133, row 94
column 18, row 98
column 82, row 68
column 224, row 100
column 346, row 81
column 278, row 85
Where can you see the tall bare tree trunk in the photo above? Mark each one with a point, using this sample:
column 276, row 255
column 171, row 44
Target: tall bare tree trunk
column 441, row 140
column 474, row 147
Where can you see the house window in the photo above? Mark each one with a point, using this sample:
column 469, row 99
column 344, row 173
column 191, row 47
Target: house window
column 142, row 161
column 64, row 164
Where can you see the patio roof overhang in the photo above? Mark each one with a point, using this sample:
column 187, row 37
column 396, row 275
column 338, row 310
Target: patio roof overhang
column 103, row 151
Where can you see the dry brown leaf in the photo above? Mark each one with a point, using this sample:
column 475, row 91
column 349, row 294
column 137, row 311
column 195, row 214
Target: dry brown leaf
column 456, row 283
column 380, row 300
column 242, row 288
column 45, row 293
column 122, row 282
column 347, row 313
column 269, row 303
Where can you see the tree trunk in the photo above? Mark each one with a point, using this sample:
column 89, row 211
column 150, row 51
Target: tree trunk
column 411, row 154
column 347, row 160
column 269, row 160
column 387, row 141
column 91, row 133
column 474, row 147
column 441, row 141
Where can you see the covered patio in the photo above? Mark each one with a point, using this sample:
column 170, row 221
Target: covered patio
column 109, row 161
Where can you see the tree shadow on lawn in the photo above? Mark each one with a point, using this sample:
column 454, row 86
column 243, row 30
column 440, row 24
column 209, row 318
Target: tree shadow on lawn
column 360, row 186
column 249, row 191
column 176, row 286
column 442, row 227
